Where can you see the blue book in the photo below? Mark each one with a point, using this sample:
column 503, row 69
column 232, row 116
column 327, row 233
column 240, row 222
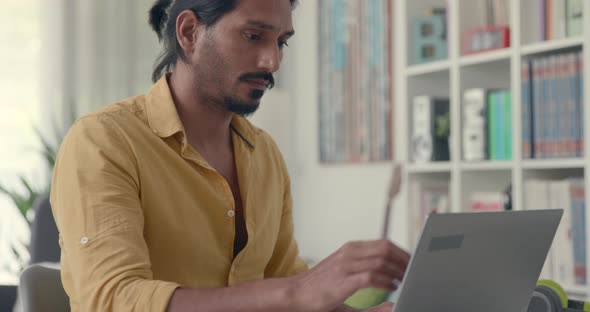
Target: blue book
column 525, row 110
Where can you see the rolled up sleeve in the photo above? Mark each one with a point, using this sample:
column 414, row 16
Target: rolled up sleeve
column 95, row 198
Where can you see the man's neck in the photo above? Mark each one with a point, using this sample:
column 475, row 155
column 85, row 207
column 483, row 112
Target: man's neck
column 206, row 124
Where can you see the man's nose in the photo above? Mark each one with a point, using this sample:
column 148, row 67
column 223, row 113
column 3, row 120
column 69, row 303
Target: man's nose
column 270, row 59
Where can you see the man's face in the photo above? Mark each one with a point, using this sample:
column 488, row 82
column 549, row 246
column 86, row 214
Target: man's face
column 234, row 60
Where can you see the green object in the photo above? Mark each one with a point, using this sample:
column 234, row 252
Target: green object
column 492, row 124
column 24, row 200
column 507, row 125
column 367, row 297
column 560, row 292
column 556, row 288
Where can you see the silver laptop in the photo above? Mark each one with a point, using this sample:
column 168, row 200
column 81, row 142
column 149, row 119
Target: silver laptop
column 484, row 262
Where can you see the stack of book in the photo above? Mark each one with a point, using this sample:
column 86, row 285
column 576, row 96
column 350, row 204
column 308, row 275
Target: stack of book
column 487, row 124
column 566, row 262
column 552, row 19
column 355, row 80
column 552, row 106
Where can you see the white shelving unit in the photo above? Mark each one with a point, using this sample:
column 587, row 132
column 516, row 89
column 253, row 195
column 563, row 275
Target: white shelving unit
column 494, row 69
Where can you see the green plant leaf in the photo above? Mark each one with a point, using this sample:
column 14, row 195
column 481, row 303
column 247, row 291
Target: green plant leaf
column 19, row 200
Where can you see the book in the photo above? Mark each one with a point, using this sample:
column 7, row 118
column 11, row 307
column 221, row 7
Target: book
column 566, row 262
column 355, row 91
column 430, row 129
column 574, row 19
column 474, row 123
column 493, row 124
column 526, row 117
column 536, row 197
column 507, row 124
column 426, row 197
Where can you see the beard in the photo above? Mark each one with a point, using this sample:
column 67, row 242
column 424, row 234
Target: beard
column 211, row 77
column 242, row 108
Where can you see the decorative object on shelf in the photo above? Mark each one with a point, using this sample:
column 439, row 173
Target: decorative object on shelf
column 425, row 197
column 474, row 124
column 549, row 296
column 431, row 124
column 487, row 38
column 487, row 201
column 574, row 17
column 355, row 109
column 394, row 187
column 491, row 201
column 430, row 39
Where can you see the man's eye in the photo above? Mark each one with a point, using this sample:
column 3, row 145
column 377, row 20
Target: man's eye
column 252, row 36
column 283, row 44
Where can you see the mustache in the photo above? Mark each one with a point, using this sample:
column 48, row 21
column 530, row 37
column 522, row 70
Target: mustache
column 260, row 75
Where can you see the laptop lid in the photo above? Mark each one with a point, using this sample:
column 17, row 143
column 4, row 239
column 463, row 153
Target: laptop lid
column 485, row 262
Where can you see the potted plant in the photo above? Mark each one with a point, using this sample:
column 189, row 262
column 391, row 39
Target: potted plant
column 32, row 194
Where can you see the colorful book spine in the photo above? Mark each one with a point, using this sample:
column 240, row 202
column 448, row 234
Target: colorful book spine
column 578, row 227
column 580, row 102
column 507, row 126
column 552, row 107
column 525, row 110
column 355, row 81
column 499, row 125
column 571, row 104
column 537, row 100
column 492, row 126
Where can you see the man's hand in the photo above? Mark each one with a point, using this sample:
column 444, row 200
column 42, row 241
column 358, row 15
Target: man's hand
column 354, row 266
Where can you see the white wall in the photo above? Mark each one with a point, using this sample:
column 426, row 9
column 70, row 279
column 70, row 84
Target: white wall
column 95, row 53
column 333, row 203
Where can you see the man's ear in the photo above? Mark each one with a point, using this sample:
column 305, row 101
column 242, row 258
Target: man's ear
column 188, row 28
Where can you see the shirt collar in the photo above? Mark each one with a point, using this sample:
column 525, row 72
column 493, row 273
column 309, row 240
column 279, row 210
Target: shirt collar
column 164, row 121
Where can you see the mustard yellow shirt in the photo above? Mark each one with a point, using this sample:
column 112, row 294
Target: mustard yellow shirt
column 141, row 213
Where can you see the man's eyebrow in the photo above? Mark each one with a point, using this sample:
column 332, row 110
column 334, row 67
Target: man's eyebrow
column 267, row 26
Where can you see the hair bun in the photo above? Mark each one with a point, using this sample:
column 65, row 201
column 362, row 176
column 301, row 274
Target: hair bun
column 158, row 16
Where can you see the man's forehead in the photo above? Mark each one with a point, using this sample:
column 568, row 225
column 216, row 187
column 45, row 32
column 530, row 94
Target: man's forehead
column 261, row 24
column 274, row 15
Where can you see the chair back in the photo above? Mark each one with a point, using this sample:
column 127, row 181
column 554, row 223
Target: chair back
column 40, row 289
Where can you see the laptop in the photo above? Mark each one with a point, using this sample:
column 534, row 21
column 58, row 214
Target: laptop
column 484, row 262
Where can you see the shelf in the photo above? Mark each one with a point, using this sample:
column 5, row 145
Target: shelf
column 579, row 290
column 562, row 163
column 443, row 166
column 486, row 57
column 547, row 46
column 487, row 165
column 427, row 68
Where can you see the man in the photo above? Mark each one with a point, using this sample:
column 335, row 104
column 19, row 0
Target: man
column 173, row 201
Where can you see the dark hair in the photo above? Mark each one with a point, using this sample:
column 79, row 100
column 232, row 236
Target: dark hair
column 162, row 18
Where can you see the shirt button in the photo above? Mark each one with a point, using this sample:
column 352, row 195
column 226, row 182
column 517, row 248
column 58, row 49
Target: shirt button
column 84, row 240
column 231, row 213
